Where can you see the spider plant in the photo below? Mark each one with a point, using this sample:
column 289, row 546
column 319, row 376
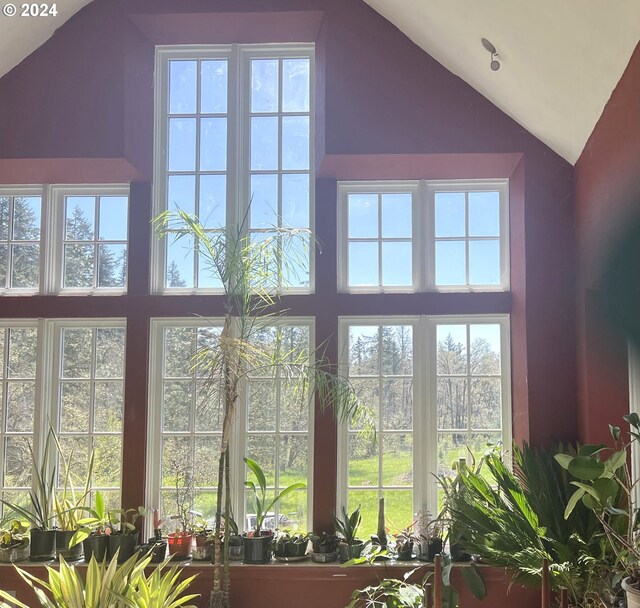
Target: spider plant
column 107, row 586
column 252, row 273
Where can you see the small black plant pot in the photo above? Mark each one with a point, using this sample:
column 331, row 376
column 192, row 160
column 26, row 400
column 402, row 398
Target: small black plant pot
column 348, row 552
column 406, row 553
column 96, row 546
column 73, row 554
column 43, row 545
column 280, row 549
column 296, row 549
column 126, row 543
column 257, row 550
column 434, row 547
column 157, row 548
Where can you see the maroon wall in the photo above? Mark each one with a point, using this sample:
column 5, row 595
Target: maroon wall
column 607, row 200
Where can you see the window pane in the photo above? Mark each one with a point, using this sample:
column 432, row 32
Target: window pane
column 485, row 349
column 397, row 404
column 396, row 215
column 75, row 403
column 213, row 201
column 110, row 352
column 25, row 265
column 364, row 350
column 17, row 475
column 363, row 216
column 295, row 142
column 80, row 217
column 367, row 500
column 264, row 143
column 76, row 353
column 177, row 405
column 178, row 349
column 213, row 144
column 262, row 449
column 294, row 459
column 452, row 349
column 450, row 263
column 450, row 214
column 180, row 259
column 78, row 265
column 22, row 352
column 112, row 265
column 295, row 85
column 21, row 398
column 182, row 193
column 295, row 200
column 484, row 262
column 108, row 450
column 368, row 391
column 397, row 350
column 264, row 201
column 486, row 403
column 261, row 412
column 182, row 87
column 182, row 144
column 294, row 406
column 397, row 460
column 3, row 265
column 397, row 266
column 113, row 218
column 26, row 218
column 264, row 85
column 484, row 213
column 207, row 452
column 214, row 87
column 452, row 403
column 293, row 511
column 5, row 202
column 398, row 508
column 363, row 461
column 363, row 264
column 108, row 407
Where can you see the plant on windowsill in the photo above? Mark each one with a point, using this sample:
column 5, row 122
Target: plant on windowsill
column 180, row 541
column 430, row 533
column 605, row 485
column 124, row 534
column 95, row 531
column 350, row 545
column 290, row 544
column 14, row 542
column 41, row 514
column 252, row 273
column 405, row 541
column 257, row 542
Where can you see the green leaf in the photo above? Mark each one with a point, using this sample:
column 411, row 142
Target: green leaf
column 616, row 460
column 564, row 460
column 607, row 489
column 633, row 419
column 591, row 449
column 586, row 468
column 587, row 488
column 615, row 432
column 475, row 583
column 573, row 501
column 258, row 472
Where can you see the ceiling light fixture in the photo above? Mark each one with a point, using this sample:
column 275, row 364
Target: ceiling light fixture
column 495, row 64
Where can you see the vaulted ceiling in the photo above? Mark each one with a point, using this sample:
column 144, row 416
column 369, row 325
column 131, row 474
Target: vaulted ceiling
column 560, row 59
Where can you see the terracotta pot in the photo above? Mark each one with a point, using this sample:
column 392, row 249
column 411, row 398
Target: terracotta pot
column 180, row 545
column 633, row 592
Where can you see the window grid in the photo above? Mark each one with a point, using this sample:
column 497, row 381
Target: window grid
column 17, row 434
column 16, row 257
column 102, row 441
column 279, row 431
column 97, row 244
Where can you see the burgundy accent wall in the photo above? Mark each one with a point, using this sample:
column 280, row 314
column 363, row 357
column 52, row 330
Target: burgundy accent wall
column 607, row 200
column 88, row 93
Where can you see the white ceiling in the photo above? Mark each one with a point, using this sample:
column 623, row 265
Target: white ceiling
column 560, row 59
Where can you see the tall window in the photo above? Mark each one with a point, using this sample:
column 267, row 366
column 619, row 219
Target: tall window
column 185, row 428
column 423, row 236
column 233, row 147
column 18, row 344
column 439, row 387
column 89, row 400
column 20, row 226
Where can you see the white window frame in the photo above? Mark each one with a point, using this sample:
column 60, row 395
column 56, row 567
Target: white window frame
column 425, row 426
column 51, row 372
column 423, row 229
column 34, row 190
column 240, row 426
column 55, row 222
column 378, row 187
column 238, row 143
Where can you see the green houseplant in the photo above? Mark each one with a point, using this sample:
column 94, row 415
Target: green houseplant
column 252, row 273
column 95, row 530
column 350, row 545
column 107, row 586
column 603, row 484
column 41, row 513
column 257, row 543
column 124, row 534
column 14, row 542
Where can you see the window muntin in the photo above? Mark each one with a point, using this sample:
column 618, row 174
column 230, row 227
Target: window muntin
column 95, row 242
column 380, row 364
column 277, row 429
column 423, row 236
column 436, row 384
column 233, row 146
column 18, row 347
column 20, row 239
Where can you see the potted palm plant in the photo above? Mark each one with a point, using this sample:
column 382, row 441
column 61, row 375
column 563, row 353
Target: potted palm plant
column 257, row 543
column 41, row 513
column 252, row 273
column 347, row 527
column 604, row 483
